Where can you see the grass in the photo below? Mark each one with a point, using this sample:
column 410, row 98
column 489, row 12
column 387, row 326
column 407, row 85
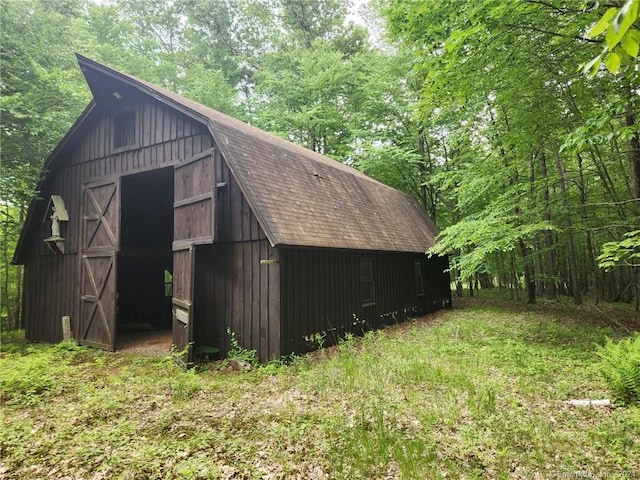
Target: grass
column 474, row 392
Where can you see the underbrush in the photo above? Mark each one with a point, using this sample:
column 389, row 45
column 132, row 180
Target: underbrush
column 36, row 373
column 474, row 392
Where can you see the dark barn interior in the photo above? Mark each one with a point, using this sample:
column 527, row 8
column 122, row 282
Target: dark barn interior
column 145, row 260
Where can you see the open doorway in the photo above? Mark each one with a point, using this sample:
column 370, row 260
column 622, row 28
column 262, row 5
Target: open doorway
column 145, row 261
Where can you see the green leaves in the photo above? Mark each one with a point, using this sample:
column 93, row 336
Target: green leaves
column 603, row 23
column 622, row 38
column 612, row 62
column 626, row 252
column 630, row 43
column 623, row 21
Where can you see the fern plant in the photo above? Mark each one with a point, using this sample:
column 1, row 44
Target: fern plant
column 620, row 367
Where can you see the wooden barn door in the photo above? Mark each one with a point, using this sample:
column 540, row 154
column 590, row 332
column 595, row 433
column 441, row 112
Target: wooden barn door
column 99, row 247
column 193, row 224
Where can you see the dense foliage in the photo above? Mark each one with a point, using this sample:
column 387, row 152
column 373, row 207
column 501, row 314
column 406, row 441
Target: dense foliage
column 478, row 108
column 545, row 166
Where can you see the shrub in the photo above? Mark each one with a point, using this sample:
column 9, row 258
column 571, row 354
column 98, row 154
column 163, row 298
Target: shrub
column 620, row 366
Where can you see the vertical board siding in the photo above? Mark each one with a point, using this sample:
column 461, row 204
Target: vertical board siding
column 48, row 297
column 234, row 291
column 164, row 137
column 320, row 293
column 236, row 220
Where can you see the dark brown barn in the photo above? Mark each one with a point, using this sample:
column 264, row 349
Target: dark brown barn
column 157, row 210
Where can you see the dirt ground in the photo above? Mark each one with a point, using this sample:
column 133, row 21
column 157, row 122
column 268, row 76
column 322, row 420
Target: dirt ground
column 148, row 343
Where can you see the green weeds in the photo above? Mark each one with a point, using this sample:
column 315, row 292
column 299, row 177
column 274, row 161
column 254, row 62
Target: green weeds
column 238, row 353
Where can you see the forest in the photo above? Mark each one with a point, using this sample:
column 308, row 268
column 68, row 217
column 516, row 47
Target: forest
column 514, row 123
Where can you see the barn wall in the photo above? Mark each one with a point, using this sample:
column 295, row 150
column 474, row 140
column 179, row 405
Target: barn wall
column 164, row 138
column 320, row 293
column 233, row 290
column 46, row 297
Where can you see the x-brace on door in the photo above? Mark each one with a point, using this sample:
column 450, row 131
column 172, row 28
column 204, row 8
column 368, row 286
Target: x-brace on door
column 99, row 247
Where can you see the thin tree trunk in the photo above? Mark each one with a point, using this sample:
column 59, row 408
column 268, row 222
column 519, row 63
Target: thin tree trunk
column 634, row 143
column 514, row 277
column 607, row 183
column 540, row 273
column 530, row 284
column 4, row 288
column 550, row 290
column 423, row 150
column 593, row 267
column 571, row 249
column 502, row 283
column 17, row 299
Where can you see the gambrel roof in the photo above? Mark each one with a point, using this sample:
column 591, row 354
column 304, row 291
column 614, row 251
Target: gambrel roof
column 301, row 198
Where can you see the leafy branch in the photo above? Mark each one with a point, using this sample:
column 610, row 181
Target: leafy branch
column 621, row 35
column 625, row 252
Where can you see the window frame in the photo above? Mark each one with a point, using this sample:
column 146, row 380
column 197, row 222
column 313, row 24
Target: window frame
column 367, row 283
column 118, row 117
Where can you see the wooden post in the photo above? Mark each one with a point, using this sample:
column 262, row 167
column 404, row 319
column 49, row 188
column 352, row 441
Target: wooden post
column 66, row 329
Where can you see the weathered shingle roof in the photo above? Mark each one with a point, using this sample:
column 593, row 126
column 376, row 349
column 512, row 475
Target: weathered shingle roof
column 302, row 198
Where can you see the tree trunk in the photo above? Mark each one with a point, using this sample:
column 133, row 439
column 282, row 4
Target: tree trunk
column 514, row 278
column 4, row 288
column 591, row 258
column 530, row 284
column 571, row 249
column 540, row 273
column 486, row 281
column 428, row 194
column 17, row 299
column 634, row 142
column 550, row 290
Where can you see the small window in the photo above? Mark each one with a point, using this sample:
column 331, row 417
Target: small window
column 124, row 129
column 417, row 267
column 168, row 284
column 367, row 290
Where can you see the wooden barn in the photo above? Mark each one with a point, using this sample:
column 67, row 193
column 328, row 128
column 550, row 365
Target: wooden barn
column 156, row 210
